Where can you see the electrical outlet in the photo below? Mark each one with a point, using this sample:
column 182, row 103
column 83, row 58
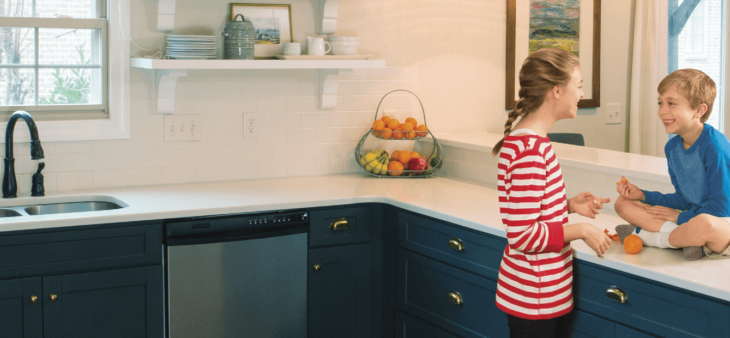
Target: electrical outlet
column 182, row 128
column 613, row 113
column 250, row 125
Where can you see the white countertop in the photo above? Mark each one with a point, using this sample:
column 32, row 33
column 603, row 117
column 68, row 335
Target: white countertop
column 609, row 161
column 472, row 205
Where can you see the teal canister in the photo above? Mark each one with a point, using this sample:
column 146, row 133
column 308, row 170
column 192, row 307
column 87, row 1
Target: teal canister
column 238, row 39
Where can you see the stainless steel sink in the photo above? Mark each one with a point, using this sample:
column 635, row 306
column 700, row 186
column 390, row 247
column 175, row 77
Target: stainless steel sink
column 9, row 213
column 62, row 208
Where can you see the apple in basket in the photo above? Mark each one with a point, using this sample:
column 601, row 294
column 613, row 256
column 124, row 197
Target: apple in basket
column 418, row 164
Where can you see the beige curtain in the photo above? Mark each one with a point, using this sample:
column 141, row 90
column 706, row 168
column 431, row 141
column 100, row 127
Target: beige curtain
column 649, row 67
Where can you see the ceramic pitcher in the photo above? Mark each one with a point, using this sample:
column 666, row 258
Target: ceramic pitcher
column 315, row 46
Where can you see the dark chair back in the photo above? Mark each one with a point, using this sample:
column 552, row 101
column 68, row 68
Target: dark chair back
column 568, row 138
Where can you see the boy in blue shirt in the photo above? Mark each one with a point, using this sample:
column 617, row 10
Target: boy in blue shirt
column 696, row 216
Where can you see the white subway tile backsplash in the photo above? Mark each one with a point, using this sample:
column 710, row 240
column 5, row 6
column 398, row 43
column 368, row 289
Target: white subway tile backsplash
column 295, row 137
column 473, row 172
column 302, row 168
column 177, row 175
column 271, row 104
column 75, row 180
column 241, row 171
column 110, row 178
column 72, row 147
column 463, row 155
column 570, row 174
column 210, row 172
column 126, row 160
column 301, row 103
column 91, row 161
column 272, row 169
column 145, row 176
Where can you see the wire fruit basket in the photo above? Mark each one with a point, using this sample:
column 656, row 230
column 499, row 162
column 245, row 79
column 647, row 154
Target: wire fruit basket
column 379, row 163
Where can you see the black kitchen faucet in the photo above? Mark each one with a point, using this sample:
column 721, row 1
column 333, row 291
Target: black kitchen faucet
column 10, row 186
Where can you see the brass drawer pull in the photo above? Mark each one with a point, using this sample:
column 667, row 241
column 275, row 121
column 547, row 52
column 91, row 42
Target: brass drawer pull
column 53, row 297
column 340, row 224
column 617, row 294
column 317, row 267
column 455, row 298
column 34, row 299
column 456, row 244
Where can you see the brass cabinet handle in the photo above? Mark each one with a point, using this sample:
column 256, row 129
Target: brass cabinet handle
column 455, row 298
column 317, row 267
column 616, row 293
column 456, row 244
column 53, row 297
column 33, row 299
column 340, row 224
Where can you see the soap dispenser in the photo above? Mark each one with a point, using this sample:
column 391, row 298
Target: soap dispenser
column 37, row 188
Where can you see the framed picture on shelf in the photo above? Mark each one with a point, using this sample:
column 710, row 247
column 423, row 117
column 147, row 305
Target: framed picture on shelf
column 272, row 24
column 573, row 25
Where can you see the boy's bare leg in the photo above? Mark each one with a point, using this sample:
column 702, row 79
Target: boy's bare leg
column 702, row 230
column 634, row 213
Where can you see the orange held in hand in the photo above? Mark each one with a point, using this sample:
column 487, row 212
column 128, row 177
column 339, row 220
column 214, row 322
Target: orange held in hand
column 633, row 244
column 623, row 180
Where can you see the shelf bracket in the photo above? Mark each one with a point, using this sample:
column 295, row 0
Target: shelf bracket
column 166, row 83
column 165, row 15
column 328, row 79
column 327, row 23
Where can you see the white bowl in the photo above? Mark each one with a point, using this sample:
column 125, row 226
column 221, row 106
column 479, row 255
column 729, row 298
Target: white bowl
column 344, row 50
column 345, row 43
column 343, row 38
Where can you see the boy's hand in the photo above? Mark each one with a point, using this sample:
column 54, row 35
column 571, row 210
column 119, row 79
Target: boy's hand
column 585, row 204
column 660, row 212
column 628, row 190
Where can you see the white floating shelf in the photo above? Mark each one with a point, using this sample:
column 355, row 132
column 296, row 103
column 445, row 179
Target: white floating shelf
column 255, row 64
column 168, row 71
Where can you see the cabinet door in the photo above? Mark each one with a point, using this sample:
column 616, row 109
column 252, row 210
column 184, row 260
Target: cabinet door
column 19, row 316
column 339, row 301
column 115, row 303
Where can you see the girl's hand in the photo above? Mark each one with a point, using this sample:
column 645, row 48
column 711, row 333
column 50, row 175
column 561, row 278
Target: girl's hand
column 586, row 204
column 596, row 239
column 628, row 190
column 660, row 212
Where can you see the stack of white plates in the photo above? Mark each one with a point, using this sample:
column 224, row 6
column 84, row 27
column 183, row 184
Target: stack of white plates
column 191, row 46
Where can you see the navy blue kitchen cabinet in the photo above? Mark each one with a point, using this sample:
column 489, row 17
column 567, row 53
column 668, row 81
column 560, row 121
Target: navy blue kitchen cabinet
column 340, row 286
column 102, row 281
column 447, row 282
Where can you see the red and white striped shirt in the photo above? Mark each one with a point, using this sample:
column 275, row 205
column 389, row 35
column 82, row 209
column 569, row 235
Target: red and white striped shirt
column 536, row 274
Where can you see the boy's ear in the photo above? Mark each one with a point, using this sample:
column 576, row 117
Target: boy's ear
column 701, row 110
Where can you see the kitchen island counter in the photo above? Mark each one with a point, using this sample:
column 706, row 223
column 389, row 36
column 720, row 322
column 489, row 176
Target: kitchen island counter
column 469, row 204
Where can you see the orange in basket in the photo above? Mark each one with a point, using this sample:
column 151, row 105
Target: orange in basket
column 393, row 124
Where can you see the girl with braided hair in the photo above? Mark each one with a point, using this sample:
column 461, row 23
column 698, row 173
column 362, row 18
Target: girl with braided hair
column 535, row 278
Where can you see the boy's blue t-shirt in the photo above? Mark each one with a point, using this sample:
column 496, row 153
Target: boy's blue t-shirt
column 700, row 175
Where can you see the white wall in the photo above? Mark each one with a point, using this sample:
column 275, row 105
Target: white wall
column 450, row 52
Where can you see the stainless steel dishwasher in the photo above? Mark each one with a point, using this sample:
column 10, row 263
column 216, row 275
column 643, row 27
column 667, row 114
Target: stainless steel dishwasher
column 237, row 276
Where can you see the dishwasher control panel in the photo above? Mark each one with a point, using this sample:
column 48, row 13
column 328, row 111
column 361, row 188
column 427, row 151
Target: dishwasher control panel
column 226, row 223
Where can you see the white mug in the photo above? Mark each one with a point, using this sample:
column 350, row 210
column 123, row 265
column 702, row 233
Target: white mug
column 315, row 46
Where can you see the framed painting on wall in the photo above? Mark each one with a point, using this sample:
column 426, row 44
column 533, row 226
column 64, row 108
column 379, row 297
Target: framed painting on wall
column 573, row 25
column 272, row 24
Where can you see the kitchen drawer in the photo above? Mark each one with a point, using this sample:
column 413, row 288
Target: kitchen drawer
column 46, row 253
column 424, row 286
column 652, row 307
column 586, row 325
column 481, row 254
column 356, row 220
column 410, row 327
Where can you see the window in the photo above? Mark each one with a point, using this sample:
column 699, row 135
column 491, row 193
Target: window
column 66, row 62
column 699, row 42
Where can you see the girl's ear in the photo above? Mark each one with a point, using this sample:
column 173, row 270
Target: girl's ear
column 556, row 92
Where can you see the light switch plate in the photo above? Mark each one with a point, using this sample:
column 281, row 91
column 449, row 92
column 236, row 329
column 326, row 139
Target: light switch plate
column 183, row 128
column 613, row 113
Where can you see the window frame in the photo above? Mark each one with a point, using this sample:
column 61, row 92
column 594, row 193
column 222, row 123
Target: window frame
column 117, row 82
